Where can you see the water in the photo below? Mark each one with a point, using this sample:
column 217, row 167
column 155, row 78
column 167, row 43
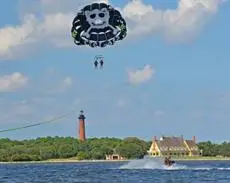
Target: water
column 140, row 171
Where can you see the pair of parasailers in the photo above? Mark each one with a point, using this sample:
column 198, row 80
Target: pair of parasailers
column 96, row 63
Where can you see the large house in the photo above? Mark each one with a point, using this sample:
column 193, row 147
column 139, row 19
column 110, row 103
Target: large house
column 174, row 146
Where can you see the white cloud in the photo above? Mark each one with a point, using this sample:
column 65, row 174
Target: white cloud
column 141, row 75
column 180, row 24
column 52, row 26
column 12, row 82
column 15, row 36
column 53, row 29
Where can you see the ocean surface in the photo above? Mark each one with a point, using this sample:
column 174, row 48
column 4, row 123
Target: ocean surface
column 120, row 172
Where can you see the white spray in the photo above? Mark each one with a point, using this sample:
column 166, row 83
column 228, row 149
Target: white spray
column 150, row 163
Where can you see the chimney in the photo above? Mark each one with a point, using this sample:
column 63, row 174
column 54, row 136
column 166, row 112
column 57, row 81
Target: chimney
column 182, row 137
column 81, row 126
column 194, row 139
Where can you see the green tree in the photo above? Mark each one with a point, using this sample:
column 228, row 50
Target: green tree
column 82, row 155
column 209, row 149
column 66, row 151
column 97, row 154
column 20, row 157
column 130, row 150
column 47, row 153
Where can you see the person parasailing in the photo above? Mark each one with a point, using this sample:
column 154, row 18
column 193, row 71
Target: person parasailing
column 101, row 63
column 95, row 64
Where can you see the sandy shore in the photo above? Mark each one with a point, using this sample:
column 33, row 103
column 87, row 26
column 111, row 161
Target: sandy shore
column 96, row 161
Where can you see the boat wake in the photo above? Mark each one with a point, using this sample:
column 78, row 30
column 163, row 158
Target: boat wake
column 150, row 163
column 157, row 163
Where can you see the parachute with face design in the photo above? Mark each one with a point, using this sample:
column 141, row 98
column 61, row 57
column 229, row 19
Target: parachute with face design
column 98, row 25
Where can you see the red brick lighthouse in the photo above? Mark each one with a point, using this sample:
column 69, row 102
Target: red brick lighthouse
column 81, row 126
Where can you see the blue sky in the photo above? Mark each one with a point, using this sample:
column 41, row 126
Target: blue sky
column 178, row 56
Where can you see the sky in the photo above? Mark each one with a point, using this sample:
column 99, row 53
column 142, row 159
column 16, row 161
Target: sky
column 169, row 76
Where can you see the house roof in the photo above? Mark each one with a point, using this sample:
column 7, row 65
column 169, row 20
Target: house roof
column 192, row 145
column 171, row 143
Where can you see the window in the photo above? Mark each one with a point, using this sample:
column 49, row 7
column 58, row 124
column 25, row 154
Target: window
column 115, row 157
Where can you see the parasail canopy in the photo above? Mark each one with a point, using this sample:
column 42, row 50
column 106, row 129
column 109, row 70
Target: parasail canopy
column 98, row 25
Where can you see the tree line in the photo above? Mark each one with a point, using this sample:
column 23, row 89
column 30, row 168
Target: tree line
column 94, row 148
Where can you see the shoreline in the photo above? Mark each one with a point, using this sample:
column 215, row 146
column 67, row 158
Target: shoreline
column 110, row 161
column 63, row 161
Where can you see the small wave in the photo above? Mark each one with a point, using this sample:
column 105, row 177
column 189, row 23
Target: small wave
column 228, row 168
column 207, row 168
